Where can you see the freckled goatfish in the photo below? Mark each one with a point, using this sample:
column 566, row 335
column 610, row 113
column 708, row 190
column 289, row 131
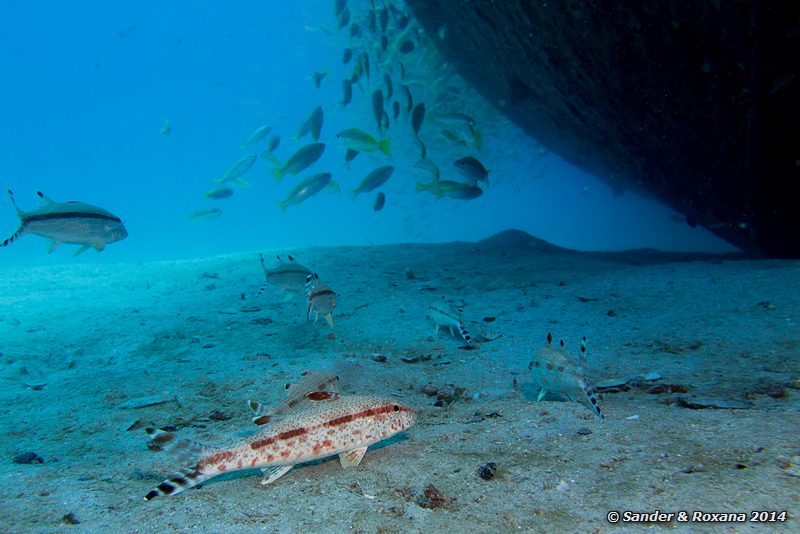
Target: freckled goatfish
column 444, row 315
column 554, row 370
column 76, row 223
column 330, row 425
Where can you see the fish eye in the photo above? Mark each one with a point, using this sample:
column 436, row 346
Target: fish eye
column 396, row 408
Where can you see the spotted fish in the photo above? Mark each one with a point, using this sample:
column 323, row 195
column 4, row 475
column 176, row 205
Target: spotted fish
column 298, row 394
column 321, row 299
column 288, row 275
column 555, row 371
column 76, row 223
column 444, row 315
column 335, row 425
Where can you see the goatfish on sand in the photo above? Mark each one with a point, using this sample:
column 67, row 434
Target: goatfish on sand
column 330, row 425
column 374, row 180
column 297, row 395
column 288, row 275
column 301, row 160
column 554, row 370
column 321, row 299
column 235, row 171
column 444, row 315
column 308, row 188
column 75, row 223
column 361, row 141
column 450, row 188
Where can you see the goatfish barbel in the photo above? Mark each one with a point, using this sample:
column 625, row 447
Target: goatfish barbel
column 331, row 425
column 75, row 223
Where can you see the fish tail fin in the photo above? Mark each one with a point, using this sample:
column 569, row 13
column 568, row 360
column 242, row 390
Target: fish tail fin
column 591, row 395
column 334, row 186
column 278, row 174
column 283, row 204
column 422, row 187
column 243, row 182
column 269, row 156
column 186, row 452
column 465, row 334
column 13, row 237
column 385, row 146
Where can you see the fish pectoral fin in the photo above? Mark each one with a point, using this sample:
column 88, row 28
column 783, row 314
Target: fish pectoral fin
column 82, row 249
column 271, row 474
column 329, row 320
column 53, row 246
column 542, row 393
column 352, row 458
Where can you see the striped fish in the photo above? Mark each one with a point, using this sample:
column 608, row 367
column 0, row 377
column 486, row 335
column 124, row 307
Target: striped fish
column 335, row 425
column 444, row 315
column 321, row 299
column 555, row 371
column 75, row 223
column 289, row 276
column 297, row 395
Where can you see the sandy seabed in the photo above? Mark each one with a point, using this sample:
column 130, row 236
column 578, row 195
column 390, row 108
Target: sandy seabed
column 93, row 354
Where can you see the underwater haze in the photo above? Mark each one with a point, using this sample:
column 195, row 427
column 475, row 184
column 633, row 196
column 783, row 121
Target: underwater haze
column 139, row 107
column 323, row 286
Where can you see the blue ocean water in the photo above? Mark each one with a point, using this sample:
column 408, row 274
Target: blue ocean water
column 90, row 85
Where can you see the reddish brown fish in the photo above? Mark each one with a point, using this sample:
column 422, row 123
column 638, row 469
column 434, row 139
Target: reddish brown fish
column 339, row 425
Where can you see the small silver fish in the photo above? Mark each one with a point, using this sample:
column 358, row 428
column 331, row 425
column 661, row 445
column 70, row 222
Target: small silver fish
column 219, row 193
column 451, row 188
column 258, row 135
column 374, row 180
column 204, row 215
column 235, row 171
column 308, row 188
column 556, row 371
column 75, row 223
column 300, row 160
column 361, row 141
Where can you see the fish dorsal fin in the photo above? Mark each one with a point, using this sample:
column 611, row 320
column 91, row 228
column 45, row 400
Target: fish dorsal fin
column 352, row 458
column 45, row 199
column 185, row 451
column 314, row 387
column 549, row 338
column 13, row 201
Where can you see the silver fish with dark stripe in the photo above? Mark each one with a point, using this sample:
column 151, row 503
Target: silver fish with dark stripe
column 75, row 223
